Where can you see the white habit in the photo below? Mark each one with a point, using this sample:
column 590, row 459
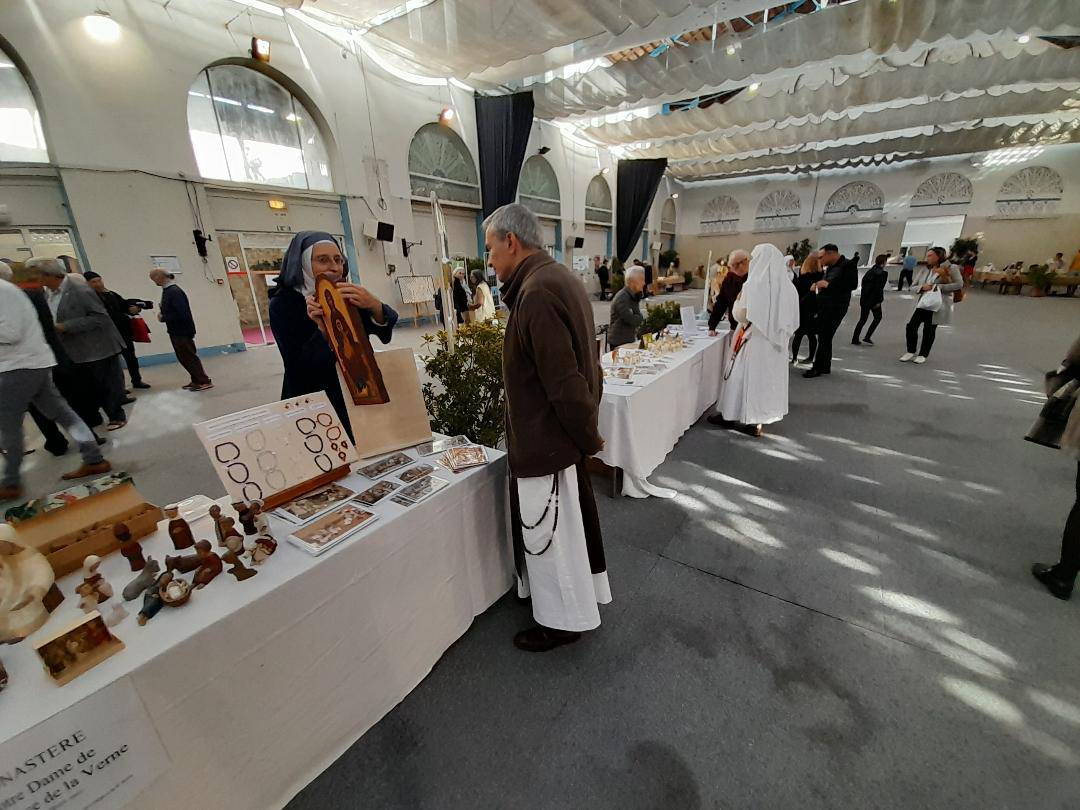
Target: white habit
column 756, row 389
column 565, row 592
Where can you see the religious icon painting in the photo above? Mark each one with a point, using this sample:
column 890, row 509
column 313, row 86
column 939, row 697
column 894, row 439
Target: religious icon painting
column 372, row 495
column 347, row 337
column 387, row 464
column 81, row 645
column 463, row 458
column 416, row 473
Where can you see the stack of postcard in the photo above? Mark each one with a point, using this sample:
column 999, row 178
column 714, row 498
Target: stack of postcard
column 326, row 532
column 457, row 459
column 373, row 494
column 308, row 507
column 419, row 490
column 436, row 446
column 387, row 464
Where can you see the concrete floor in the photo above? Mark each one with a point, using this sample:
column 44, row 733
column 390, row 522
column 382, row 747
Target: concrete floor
column 837, row 615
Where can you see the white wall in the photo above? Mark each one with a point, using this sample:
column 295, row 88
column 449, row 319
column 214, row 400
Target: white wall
column 1002, row 240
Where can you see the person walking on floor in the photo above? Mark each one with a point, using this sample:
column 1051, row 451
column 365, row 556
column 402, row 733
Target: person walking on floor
column 175, row 313
column 809, row 275
column 26, row 378
column 626, row 314
column 833, row 298
column 553, row 388
column 1060, row 579
column 602, row 275
column 907, row 271
column 120, row 311
column 946, row 279
column 872, row 296
column 87, row 335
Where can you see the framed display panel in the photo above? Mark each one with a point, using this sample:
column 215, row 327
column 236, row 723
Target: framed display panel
column 278, row 451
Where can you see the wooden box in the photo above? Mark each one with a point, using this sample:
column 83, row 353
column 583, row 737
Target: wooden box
column 69, row 533
column 79, row 646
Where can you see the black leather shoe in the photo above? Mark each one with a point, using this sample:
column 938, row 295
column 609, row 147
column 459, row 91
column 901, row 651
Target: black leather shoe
column 868, row 341
column 719, row 420
column 856, row 342
column 543, row 639
column 1050, row 580
column 813, row 373
column 56, row 449
column 141, row 385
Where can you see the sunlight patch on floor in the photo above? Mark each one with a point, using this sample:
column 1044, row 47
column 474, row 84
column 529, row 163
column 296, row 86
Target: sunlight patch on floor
column 848, row 561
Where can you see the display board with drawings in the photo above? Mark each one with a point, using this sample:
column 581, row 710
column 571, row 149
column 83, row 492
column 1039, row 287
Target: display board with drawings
column 416, row 289
column 276, row 448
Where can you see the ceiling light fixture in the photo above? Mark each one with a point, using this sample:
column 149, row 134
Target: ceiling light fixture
column 260, row 49
column 753, row 88
column 101, row 27
column 605, row 170
column 447, row 115
column 675, row 196
column 1024, row 39
column 730, row 50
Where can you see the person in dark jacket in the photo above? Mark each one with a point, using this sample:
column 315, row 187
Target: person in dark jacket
column 626, row 314
column 871, row 299
column 460, row 295
column 120, row 310
column 730, row 287
column 297, row 323
column 553, row 388
column 809, row 275
column 834, row 298
column 175, row 313
column 602, row 275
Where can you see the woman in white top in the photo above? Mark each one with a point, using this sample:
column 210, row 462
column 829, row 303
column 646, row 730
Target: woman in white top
column 947, row 278
column 483, row 303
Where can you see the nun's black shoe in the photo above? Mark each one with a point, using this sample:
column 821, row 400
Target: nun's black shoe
column 543, row 639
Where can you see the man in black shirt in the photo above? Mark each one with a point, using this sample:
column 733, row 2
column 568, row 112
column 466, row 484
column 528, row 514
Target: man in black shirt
column 834, row 297
column 120, row 311
column 871, row 299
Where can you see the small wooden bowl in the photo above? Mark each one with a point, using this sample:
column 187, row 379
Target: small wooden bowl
column 178, row 600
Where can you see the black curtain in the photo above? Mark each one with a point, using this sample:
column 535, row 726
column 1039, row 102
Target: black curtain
column 502, row 133
column 635, row 187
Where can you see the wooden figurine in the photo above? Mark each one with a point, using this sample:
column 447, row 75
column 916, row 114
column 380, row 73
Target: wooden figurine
column 95, row 581
column 209, row 567
column 183, row 563
column 262, row 524
column 26, row 578
column 115, row 615
column 131, row 549
column 264, row 547
column 179, row 531
column 152, row 601
column 88, row 597
column 144, row 580
column 235, row 544
column 247, row 511
column 215, row 515
column 228, row 529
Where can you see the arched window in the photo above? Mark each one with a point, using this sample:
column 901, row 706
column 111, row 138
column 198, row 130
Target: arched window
column 247, row 128
column 667, row 216
column 778, row 211
column 538, row 188
column 858, row 200
column 946, row 188
column 720, row 215
column 598, row 201
column 21, row 138
column 1034, row 191
column 440, row 161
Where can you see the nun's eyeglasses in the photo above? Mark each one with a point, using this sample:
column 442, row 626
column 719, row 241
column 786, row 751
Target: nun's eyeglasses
column 338, row 260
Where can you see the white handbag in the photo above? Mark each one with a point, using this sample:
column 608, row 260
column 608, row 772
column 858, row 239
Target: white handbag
column 930, row 301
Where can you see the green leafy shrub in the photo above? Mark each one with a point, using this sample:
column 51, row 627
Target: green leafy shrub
column 669, row 258
column 659, row 316
column 618, row 281
column 799, row 250
column 963, row 245
column 466, row 394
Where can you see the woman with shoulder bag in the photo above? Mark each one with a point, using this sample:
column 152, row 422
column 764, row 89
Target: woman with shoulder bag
column 1061, row 429
column 934, row 305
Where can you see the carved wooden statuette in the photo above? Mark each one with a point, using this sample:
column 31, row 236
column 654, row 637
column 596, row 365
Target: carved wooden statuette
column 228, row 529
column 209, row 567
column 152, row 601
column 246, row 512
column 264, row 547
column 131, row 549
column 25, row 579
column 215, row 516
column 94, row 581
column 235, row 544
column 182, row 563
column 179, row 531
column 144, row 580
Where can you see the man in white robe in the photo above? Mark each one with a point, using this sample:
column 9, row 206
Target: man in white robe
column 553, row 387
column 754, row 379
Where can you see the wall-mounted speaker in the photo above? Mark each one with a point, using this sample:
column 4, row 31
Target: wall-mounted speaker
column 382, row 231
column 579, row 242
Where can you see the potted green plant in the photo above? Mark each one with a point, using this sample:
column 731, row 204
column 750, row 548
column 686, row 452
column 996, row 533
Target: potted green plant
column 799, row 250
column 465, row 394
column 1041, row 278
column 659, row 316
column 963, row 245
column 669, row 258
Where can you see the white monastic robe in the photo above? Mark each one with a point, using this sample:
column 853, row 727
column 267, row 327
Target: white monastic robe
column 754, row 382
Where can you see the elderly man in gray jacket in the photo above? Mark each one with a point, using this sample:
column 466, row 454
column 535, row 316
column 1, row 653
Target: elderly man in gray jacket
column 87, row 334
column 626, row 314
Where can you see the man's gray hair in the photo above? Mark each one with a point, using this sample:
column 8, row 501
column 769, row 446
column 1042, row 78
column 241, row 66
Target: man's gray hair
column 46, row 267
column 5, row 272
column 515, row 218
column 634, row 271
column 736, row 255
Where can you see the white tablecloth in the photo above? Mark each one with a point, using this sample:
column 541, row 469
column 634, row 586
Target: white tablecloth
column 641, row 422
column 255, row 687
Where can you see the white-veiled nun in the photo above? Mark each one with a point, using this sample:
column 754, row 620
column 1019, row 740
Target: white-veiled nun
column 754, row 379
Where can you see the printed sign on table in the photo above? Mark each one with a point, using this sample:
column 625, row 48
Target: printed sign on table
column 101, row 752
